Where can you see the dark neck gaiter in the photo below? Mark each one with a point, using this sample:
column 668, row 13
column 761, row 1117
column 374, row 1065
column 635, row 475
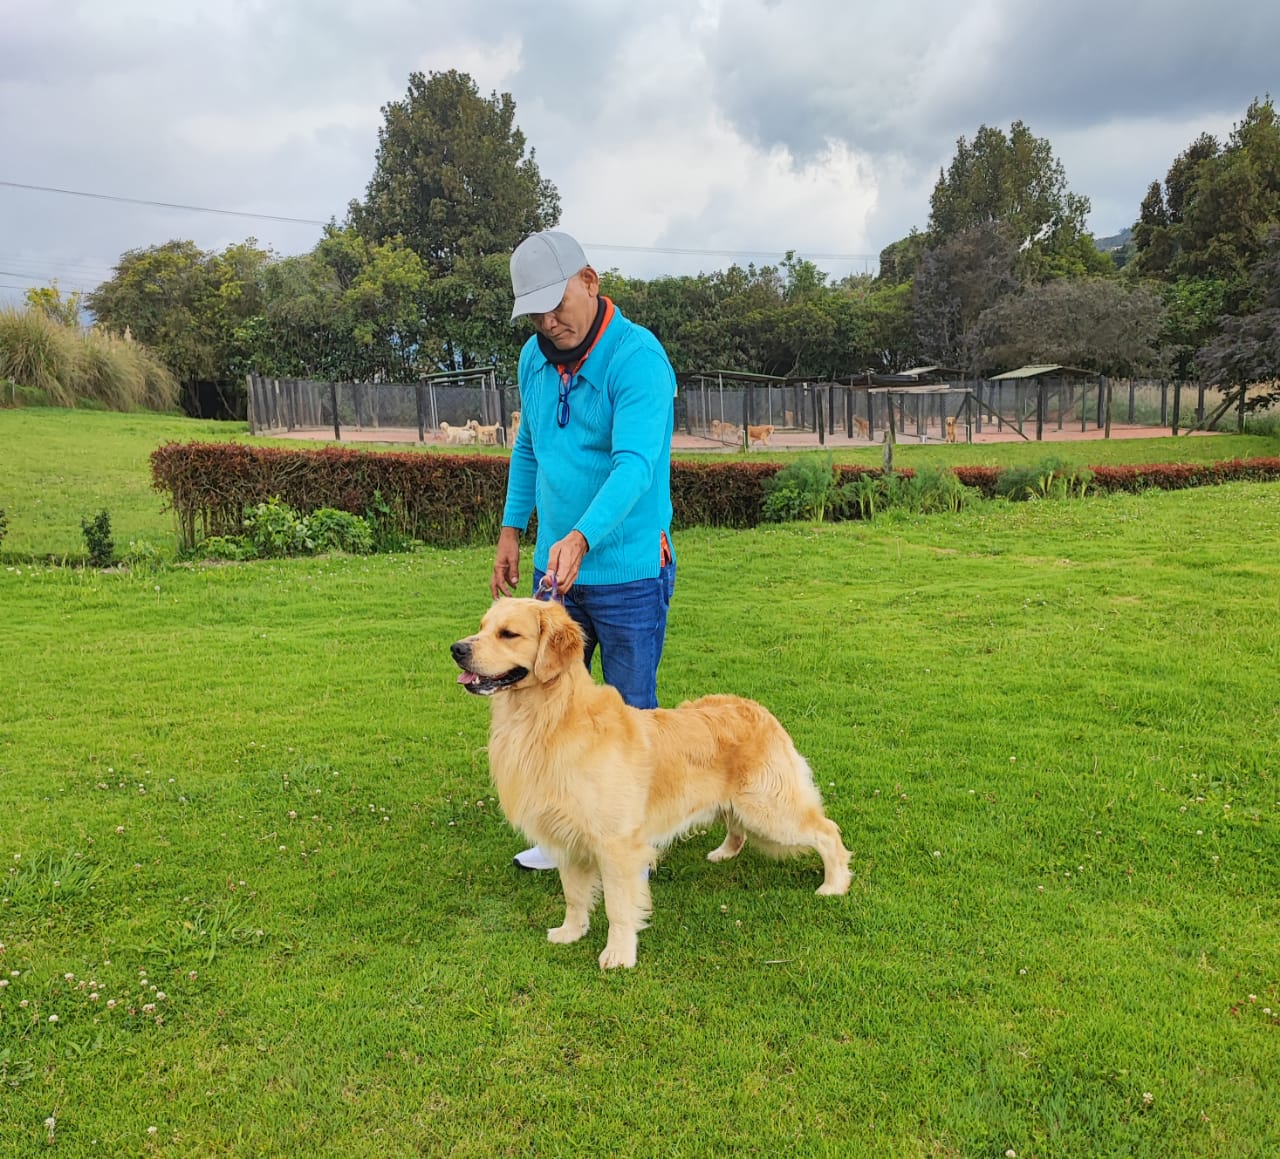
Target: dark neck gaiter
column 559, row 357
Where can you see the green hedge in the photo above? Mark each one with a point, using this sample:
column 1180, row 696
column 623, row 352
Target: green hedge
column 446, row 500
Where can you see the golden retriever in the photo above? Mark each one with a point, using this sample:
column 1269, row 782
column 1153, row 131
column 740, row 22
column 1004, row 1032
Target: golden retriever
column 862, row 427
column 485, row 436
column 951, row 429
column 606, row 787
column 760, row 435
column 457, row 436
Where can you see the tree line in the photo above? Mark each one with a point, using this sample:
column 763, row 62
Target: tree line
column 414, row 278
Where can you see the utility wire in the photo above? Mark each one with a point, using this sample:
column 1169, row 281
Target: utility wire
column 641, row 249
column 163, row 204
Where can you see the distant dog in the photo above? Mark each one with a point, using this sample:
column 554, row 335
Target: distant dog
column 951, row 429
column 605, row 787
column 760, row 435
column 485, row 436
column 862, row 427
column 515, row 426
column 458, row 436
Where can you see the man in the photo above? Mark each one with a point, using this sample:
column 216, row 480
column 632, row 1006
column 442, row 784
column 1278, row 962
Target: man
column 593, row 458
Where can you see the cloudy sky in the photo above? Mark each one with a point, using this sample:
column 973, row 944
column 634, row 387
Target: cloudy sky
column 683, row 135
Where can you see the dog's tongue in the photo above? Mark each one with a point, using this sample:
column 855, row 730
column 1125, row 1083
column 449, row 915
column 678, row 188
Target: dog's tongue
column 467, row 678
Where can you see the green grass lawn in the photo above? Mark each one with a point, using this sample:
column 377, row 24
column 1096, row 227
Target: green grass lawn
column 1049, row 732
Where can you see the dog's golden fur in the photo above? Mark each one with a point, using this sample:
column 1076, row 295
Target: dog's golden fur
column 605, row 787
column 760, row 435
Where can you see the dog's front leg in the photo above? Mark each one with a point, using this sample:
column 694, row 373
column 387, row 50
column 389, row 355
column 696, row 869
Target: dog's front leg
column 580, row 883
column 627, row 902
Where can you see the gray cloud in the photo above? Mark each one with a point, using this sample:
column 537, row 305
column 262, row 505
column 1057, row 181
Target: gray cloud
column 689, row 124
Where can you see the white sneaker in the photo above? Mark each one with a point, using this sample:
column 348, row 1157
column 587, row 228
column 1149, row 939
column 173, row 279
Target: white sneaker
column 535, row 858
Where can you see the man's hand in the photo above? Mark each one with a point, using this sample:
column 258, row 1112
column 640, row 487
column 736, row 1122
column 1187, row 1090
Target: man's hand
column 566, row 558
column 506, row 565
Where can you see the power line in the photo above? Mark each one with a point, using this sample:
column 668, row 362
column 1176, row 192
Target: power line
column 656, row 249
column 641, row 249
column 163, row 204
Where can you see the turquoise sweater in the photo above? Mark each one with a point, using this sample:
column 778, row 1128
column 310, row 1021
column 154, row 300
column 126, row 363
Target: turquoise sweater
column 607, row 473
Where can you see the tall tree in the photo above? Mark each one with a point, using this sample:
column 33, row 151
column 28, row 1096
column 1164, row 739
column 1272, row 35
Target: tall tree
column 1210, row 219
column 1014, row 180
column 50, row 302
column 899, row 259
column 183, row 303
column 1094, row 323
column 955, row 282
column 1247, row 350
column 452, row 177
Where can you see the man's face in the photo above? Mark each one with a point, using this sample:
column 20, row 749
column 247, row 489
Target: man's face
column 567, row 325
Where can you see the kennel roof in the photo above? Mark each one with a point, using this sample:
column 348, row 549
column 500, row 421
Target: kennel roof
column 1042, row 371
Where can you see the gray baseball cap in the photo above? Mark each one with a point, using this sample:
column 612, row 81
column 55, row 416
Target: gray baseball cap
column 541, row 267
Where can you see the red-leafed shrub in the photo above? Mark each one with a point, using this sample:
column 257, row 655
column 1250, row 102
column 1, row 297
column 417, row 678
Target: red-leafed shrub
column 719, row 494
column 440, row 499
column 446, row 500
column 1175, row 476
column 983, row 479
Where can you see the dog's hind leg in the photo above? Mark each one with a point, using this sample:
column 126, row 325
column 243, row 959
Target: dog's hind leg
column 580, row 883
column 782, row 835
column 791, row 818
column 626, row 901
column 731, row 846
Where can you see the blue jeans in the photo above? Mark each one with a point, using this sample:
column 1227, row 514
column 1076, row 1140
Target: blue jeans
column 628, row 622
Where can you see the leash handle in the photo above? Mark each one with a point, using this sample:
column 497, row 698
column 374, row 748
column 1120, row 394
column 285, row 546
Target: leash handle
column 548, row 589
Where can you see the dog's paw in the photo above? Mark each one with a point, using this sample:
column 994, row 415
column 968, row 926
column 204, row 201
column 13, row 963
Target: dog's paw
column 837, row 887
column 563, row 935
column 611, row 957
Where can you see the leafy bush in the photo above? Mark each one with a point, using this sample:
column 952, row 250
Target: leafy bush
column 388, row 525
column 229, row 547
column 329, row 529
column 97, row 538
column 860, row 497
column 275, row 529
column 925, row 492
column 803, row 489
column 143, row 556
column 1049, row 479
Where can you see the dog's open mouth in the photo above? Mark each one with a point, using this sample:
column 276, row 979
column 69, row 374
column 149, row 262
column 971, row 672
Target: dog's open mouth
column 479, row 685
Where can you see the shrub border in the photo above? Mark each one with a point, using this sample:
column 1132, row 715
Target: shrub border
column 447, row 500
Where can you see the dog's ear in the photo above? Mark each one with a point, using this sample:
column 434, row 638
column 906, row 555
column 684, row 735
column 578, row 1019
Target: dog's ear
column 559, row 642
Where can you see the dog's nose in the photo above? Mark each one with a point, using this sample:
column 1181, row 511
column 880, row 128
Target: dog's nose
column 460, row 651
